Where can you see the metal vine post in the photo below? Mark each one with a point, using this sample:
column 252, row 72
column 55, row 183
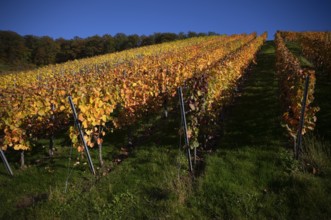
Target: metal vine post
column 81, row 135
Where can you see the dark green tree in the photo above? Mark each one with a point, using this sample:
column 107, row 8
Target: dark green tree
column 147, row 40
column 133, row 41
column 121, row 42
column 12, row 49
column 108, row 44
column 93, row 46
column 191, row 34
column 181, row 36
column 164, row 37
column 46, row 51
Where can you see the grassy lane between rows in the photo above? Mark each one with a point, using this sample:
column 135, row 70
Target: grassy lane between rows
column 252, row 174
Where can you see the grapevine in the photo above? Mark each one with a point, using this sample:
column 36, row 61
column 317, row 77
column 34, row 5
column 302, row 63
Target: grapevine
column 291, row 80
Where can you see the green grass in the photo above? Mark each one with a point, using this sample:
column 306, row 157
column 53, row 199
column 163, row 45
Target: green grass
column 145, row 186
column 294, row 47
column 250, row 174
column 41, row 176
column 316, row 155
column 152, row 182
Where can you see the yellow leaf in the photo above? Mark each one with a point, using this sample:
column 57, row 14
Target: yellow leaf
column 192, row 106
column 95, row 123
column 84, row 124
column 20, row 147
column 88, row 132
column 19, row 115
column 74, row 139
column 75, row 100
column 99, row 103
column 86, row 138
column 189, row 133
column 104, row 118
column 62, row 107
column 96, row 92
column 41, row 112
column 83, row 109
column 80, row 117
column 62, row 93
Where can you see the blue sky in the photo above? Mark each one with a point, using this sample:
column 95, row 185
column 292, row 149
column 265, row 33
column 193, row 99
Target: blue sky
column 83, row 18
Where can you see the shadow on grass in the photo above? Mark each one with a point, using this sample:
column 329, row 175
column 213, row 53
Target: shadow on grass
column 322, row 98
column 254, row 119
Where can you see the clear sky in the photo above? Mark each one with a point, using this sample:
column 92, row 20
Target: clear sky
column 83, row 18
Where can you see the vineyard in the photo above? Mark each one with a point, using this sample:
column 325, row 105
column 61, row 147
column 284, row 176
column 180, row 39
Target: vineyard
column 35, row 104
column 126, row 99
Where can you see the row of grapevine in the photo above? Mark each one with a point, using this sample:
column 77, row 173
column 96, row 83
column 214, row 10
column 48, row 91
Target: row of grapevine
column 312, row 35
column 316, row 46
column 95, row 64
column 34, row 104
column 209, row 91
column 292, row 82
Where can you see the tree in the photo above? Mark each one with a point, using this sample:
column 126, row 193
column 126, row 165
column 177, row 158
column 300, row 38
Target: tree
column 64, row 45
column 108, row 44
column 147, row 40
column 31, row 42
column 133, row 41
column 164, row 37
column 12, row 48
column 93, row 46
column 211, row 33
column 181, row 35
column 191, row 34
column 46, row 51
column 70, row 49
column 201, row 34
column 121, row 41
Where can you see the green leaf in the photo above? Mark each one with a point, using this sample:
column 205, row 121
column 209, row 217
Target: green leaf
column 194, row 144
